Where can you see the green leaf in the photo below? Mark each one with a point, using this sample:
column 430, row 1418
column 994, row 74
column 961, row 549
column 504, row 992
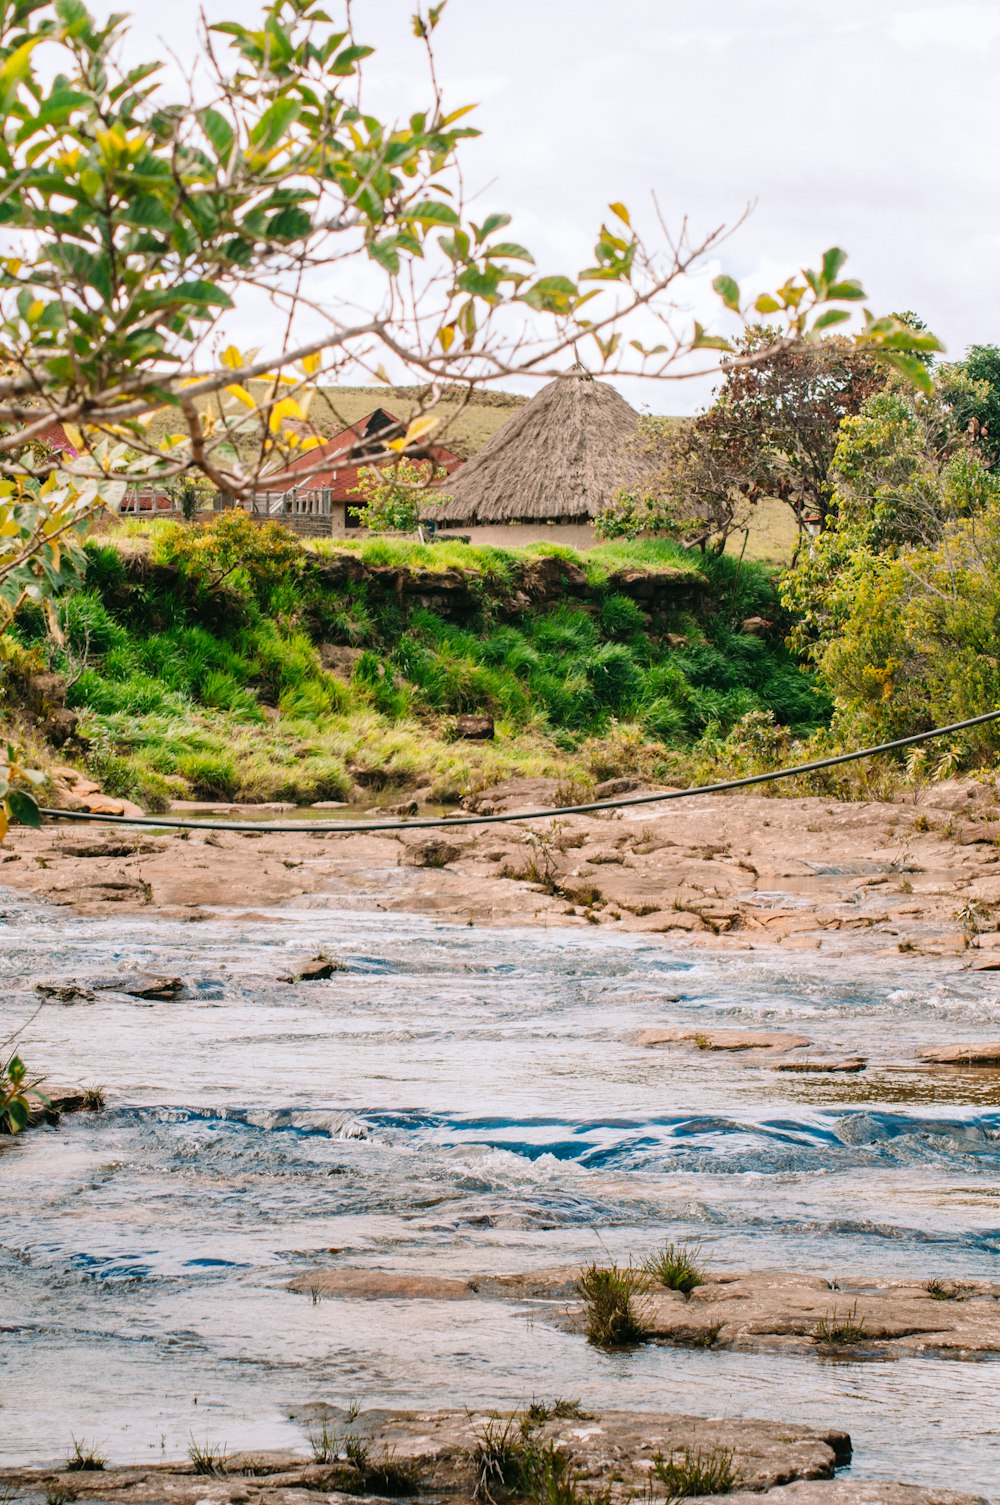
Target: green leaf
column 24, row 808
column 511, row 249
column 833, row 261
column 703, row 341
column 202, row 292
column 831, row 317
column 343, row 63
column 18, row 1115
column 850, row 291
column 430, row 212
column 550, row 294
column 219, row 132
column 910, row 366
column 729, row 291
column 274, row 124
column 492, row 223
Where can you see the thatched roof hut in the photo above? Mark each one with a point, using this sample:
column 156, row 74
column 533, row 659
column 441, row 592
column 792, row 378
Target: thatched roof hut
column 560, row 458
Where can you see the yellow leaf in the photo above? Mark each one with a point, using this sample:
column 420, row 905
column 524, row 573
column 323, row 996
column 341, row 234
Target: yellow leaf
column 622, row 213
column 446, row 336
column 231, row 358
column 419, row 427
column 457, row 114
column 397, row 444
column 242, row 394
column 312, row 441
column 286, row 408
column 312, row 363
column 381, row 374
column 74, row 435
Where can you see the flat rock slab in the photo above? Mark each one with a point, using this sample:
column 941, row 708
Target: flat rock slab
column 614, row 1451
column 775, row 1309
column 848, row 1065
column 964, row 1053
column 380, row 1285
column 760, row 1310
column 723, row 1039
column 854, row 1492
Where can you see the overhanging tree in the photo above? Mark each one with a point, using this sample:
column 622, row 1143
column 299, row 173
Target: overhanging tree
column 134, row 221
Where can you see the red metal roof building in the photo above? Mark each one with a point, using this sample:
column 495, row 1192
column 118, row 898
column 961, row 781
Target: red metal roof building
column 310, row 471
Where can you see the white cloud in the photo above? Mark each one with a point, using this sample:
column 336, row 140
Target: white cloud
column 870, row 127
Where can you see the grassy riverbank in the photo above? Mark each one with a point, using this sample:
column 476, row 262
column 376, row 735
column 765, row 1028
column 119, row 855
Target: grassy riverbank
column 241, row 665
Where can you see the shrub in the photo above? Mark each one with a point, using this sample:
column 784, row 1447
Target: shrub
column 676, row 1267
column 608, row 1295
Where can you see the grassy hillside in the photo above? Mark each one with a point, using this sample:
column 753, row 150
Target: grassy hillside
column 191, row 677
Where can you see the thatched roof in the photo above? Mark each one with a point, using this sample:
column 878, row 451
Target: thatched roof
column 562, row 456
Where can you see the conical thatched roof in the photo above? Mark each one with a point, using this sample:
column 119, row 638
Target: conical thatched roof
column 562, row 456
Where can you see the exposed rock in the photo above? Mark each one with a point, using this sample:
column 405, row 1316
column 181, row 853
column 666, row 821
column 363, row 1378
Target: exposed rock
column 779, row 1309
column 63, row 992
column 60, row 726
column 965, row 1053
column 846, row 1064
column 430, row 851
column 758, row 1310
column 613, row 1452
column 317, row 969
column 550, row 578
column 723, row 1039
column 474, row 728
column 611, row 788
column 378, row 1285
column 854, row 1492
column 339, row 659
column 756, row 627
column 405, row 808
column 45, row 693
column 142, row 985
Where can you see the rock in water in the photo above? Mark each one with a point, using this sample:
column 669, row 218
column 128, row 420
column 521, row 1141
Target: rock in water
column 317, row 969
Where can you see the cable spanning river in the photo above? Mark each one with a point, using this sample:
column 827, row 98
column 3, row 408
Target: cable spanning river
column 463, row 1101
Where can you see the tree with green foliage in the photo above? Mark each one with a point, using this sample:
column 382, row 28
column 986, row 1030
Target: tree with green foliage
column 972, row 387
column 771, row 432
column 393, row 496
column 135, row 219
column 897, row 601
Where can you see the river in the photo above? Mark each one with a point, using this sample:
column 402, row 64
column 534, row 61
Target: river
column 463, row 1100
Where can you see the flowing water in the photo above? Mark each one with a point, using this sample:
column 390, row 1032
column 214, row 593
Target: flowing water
column 469, row 1100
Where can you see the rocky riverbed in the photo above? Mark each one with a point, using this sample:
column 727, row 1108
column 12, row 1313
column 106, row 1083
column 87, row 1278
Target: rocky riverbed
column 357, row 1149
column 918, row 877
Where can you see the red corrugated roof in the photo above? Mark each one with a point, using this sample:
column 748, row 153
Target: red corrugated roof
column 342, row 479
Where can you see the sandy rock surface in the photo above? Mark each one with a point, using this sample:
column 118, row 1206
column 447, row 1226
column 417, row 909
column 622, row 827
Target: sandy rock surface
column 615, row 1450
column 854, row 1492
column 736, row 871
column 760, row 1310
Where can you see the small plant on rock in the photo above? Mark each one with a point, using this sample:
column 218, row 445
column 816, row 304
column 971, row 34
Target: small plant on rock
column 676, row 1267
column 209, row 1460
column 608, row 1293
column 94, row 1099
column 850, row 1328
column 85, row 1459
column 686, row 1474
column 391, row 1475
column 940, row 1290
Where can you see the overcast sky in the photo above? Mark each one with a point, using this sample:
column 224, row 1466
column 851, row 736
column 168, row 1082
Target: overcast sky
column 870, row 124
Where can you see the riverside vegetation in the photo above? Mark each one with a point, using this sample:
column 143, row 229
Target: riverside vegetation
column 193, row 657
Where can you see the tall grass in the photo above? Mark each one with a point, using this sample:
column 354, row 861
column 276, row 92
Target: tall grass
column 189, row 690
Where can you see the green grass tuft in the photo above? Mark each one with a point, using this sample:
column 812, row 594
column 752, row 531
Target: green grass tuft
column 676, row 1267
column 609, row 1293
